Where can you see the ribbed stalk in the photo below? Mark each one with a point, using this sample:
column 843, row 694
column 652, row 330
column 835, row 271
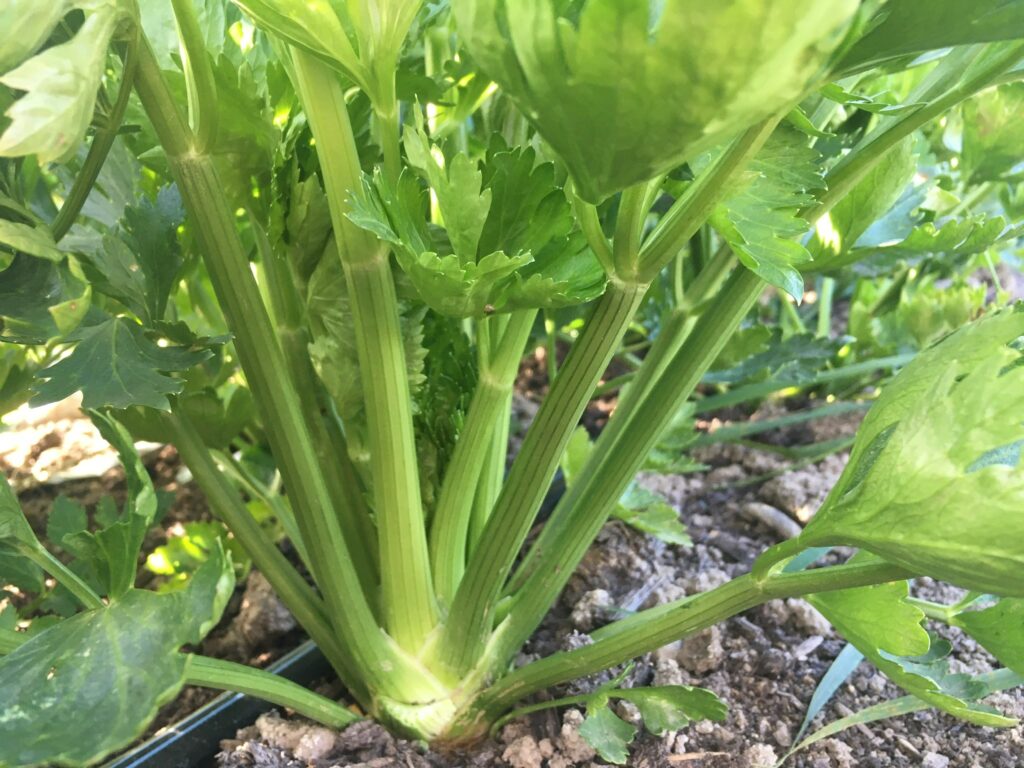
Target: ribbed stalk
column 64, row 576
column 265, row 369
column 604, row 479
column 231, row 676
column 450, row 532
column 227, row 506
column 410, row 609
column 651, row 629
column 472, row 611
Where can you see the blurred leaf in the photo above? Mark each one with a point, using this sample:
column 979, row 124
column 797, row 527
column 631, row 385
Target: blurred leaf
column 600, row 80
column 993, row 133
column 1000, row 630
column 26, row 25
column 33, row 240
column 30, row 290
column 60, row 86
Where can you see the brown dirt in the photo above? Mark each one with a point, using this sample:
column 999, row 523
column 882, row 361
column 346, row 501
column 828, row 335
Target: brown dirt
column 764, row 664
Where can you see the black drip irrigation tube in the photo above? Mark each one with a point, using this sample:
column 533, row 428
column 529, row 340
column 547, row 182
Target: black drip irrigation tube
column 195, row 741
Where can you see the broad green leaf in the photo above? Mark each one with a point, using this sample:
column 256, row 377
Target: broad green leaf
column 930, row 484
column 908, row 27
column 879, row 622
column 760, row 220
column 116, row 365
column 607, row 733
column 836, row 233
column 26, row 25
column 113, row 666
column 992, row 133
column 601, row 79
column 1000, row 630
column 60, row 86
column 35, row 241
column 667, row 708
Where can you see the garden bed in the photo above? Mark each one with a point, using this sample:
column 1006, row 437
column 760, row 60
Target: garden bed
column 765, row 664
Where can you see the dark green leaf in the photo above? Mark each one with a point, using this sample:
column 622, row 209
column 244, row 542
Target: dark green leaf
column 116, row 664
column 33, row 292
column 116, row 365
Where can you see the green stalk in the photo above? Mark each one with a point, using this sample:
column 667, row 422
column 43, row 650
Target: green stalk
column 492, row 477
column 532, row 471
column 101, row 145
column 336, row 465
column 199, row 83
column 828, row 289
column 450, row 531
column 64, row 576
column 629, row 225
column 227, row 506
column 651, row 629
column 264, row 365
column 586, row 506
column 230, row 676
column 410, row 608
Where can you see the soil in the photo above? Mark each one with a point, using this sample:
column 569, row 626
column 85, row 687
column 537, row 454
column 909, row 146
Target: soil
column 764, row 664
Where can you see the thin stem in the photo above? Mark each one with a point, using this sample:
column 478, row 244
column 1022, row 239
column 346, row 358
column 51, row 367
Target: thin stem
column 228, row 507
column 825, row 298
column 515, row 714
column 648, row 630
column 935, row 611
column 590, row 223
column 101, row 145
column 450, row 532
column 616, row 459
column 410, row 608
column 629, row 229
column 231, row 676
column 64, row 576
column 199, row 82
column 531, row 474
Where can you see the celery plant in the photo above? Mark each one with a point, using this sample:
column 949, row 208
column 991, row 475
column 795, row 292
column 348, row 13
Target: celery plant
column 380, row 275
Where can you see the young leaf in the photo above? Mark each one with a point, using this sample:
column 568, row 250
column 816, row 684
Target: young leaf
column 60, row 86
column 600, row 80
column 667, row 708
column 26, row 26
column 889, row 632
column 25, row 238
column 606, row 732
column 933, row 445
column 760, row 220
column 1000, row 629
column 115, row 364
column 133, row 668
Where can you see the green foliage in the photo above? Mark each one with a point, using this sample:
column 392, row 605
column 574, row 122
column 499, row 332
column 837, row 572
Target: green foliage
column 60, row 83
column 115, row 364
column 930, row 448
column 760, row 221
column 1000, row 630
column 600, row 79
column 992, row 132
column 133, row 668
